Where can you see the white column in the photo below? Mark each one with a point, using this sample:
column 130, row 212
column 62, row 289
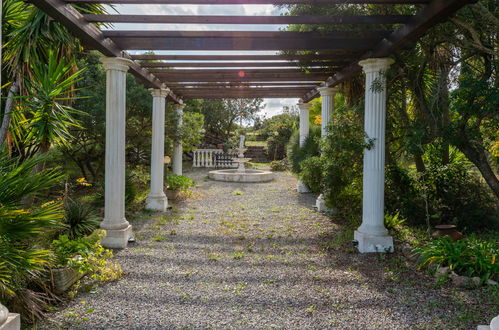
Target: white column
column 118, row 230
column 372, row 235
column 327, row 94
column 157, row 199
column 327, row 108
column 177, row 145
column 304, row 121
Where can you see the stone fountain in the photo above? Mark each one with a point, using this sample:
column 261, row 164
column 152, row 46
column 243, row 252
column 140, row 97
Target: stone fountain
column 241, row 174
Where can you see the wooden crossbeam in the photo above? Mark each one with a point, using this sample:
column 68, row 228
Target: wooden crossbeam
column 246, row 34
column 251, row 2
column 200, row 44
column 240, row 95
column 431, row 15
column 269, row 20
column 239, row 73
column 238, row 65
column 277, row 85
column 313, row 79
column 254, row 57
column 92, row 37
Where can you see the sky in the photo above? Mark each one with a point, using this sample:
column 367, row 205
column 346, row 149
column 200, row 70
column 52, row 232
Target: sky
column 272, row 106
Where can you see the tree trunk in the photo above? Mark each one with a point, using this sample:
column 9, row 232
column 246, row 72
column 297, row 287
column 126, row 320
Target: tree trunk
column 8, row 112
column 479, row 158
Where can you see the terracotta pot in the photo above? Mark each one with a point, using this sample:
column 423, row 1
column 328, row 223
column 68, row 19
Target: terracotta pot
column 172, row 194
column 447, row 230
column 64, row 278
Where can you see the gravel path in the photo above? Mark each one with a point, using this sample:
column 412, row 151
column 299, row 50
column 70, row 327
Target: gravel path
column 252, row 256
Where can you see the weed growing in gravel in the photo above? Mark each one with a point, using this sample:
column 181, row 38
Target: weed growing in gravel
column 173, row 232
column 238, row 255
column 159, row 238
column 238, row 192
column 213, row 257
column 310, row 310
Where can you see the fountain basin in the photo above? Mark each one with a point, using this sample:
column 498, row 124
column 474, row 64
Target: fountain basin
column 233, row 175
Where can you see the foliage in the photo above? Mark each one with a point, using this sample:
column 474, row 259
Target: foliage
column 191, row 132
column 174, row 182
column 311, row 173
column 222, row 115
column 393, row 220
column 80, row 219
column 279, row 129
column 469, row 256
column 131, row 189
column 297, row 154
column 279, row 165
column 23, row 256
column 86, row 255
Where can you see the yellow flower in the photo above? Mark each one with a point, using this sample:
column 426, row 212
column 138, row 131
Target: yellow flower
column 86, row 184
column 318, row 120
column 80, row 180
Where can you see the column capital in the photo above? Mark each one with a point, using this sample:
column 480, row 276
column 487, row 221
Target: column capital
column 376, row 64
column 328, row 91
column 303, row 106
column 116, row 63
column 179, row 106
column 159, row 92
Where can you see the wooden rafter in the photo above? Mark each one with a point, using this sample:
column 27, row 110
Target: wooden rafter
column 251, row 2
column 239, row 65
column 279, row 20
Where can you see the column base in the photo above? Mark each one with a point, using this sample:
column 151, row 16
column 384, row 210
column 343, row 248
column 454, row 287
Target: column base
column 302, row 188
column 370, row 243
column 157, row 203
column 320, row 204
column 117, row 238
column 13, row 322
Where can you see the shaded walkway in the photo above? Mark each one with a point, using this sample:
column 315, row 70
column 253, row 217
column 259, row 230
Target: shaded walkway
column 251, row 256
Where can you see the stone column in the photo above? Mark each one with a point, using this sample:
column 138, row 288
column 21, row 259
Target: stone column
column 301, row 187
column 177, row 146
column 372, row 235
column 9, row 321
column 118, row 230
column 157, row 199
column 327, row 94
column 304, row 121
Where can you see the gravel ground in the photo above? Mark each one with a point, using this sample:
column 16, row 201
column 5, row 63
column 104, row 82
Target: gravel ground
column 252, row 256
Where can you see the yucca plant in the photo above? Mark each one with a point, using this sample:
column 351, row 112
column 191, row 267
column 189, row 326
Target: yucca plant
column 23, row 256
column 80, row 219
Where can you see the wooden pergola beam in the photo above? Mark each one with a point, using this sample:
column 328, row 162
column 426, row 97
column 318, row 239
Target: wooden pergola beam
column 239, row 73
column 239, row 65
column 200, row 44
column 92, row 37
column 432, row 14
column 253, row 80
column 269, row 20
column 250, row 2
column 275, row 57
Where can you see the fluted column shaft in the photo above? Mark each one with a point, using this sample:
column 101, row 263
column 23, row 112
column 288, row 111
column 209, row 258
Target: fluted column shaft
column 157, row 199
column 177, row 145
column 374, row 158
column 114, row 200
column 304, row 121
column 327, row 94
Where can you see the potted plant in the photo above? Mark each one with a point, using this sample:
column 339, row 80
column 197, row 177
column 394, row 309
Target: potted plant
column 175, row 184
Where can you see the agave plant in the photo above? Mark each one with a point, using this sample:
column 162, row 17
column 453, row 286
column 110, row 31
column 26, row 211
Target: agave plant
column 22, row 254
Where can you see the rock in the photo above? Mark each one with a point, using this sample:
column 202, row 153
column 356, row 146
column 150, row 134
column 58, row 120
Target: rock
column 491, row 282
column 442, row 271
column 477, row 281
column 459, row 281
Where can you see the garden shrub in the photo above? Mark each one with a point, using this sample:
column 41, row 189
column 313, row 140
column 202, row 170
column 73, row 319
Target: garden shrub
column 469, row 256
column 279, row 165
column 80, row 219
column 174, row 182
column 279, row 129
column 311, row 173
column 297, row 154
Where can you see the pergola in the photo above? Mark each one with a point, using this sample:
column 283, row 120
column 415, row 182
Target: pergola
column 330, row 58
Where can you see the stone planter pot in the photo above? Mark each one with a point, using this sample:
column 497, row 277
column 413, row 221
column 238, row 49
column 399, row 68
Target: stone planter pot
column 172, row 194
column 447, row 230
column 64, row 277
